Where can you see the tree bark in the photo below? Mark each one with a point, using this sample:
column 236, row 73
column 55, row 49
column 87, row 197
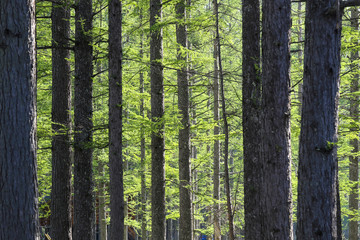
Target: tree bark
column 18, row 179
column 102, row 201
column 83, row 183
column 225, row 126
column 115, row 121
column 317, row 200
column 276, row 153
column 157, row 114
column 142, row 148
column 216, row 163
column 185, row 221
column 354, row 114
column 61, row 107
column 251, row 90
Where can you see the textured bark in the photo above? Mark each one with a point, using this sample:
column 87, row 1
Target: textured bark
column 83, row 183
column 115, row 121
column 251, row 90
column 275, row 153
column 354, row 114
column 157, row 113
column 317, row 189
column 18, row 180
column 185, row 221
column 61, row 107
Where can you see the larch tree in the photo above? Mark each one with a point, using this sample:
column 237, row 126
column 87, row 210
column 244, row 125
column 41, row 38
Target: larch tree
column 61, row 108
column 216, row 156
column 276, row 200
column 217, row 44
column 185, row 221
column 251, row 90
column 158, row 209
column 18, row 178
column 83, row 112
column 317, row 187
column 354, row 114
column 115, row 121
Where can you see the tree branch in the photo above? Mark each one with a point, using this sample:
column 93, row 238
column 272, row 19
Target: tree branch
column 349, row 3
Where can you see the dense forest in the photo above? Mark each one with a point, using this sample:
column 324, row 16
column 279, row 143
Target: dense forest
column 179, row 119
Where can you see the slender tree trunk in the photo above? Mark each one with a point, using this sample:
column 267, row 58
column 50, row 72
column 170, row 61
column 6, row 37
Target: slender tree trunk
column 18, row 180
column 185, row 222
column 251, row 91
column 61, row 108
column 157, row 113
column 354, row 114
column 83, row 183
column 115, row 121
column 317, row 189
column 226, row 126
column 102, row 202
column 276, row 200
column 216, row 164
column 142, row 149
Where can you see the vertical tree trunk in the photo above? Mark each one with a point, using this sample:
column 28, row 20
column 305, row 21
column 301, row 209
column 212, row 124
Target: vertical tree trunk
column 102, row 202
column 18, row 180
column 226, row 126
column 115, row 121
column 61, row 108
column 354, row 114
column 276, row 152
column 216, row 164
column 142, row 149
column 317, row 190
column 157, row 113
column 185, row 222
column 83, row 183
column 251, row 91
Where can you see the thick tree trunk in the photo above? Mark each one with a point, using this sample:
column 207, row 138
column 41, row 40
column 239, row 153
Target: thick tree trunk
column 185, row 222
column 317, row 189
column 61, row 107
column 157, row 113
column 115, row 121
column 275, row 153
column 18, row 180
column 354, row 114
column 83, row 182
column 251, row 90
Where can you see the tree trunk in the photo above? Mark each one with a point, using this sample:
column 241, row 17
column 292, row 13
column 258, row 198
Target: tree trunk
column 83, row 183
column 216, row 164
column 115, row 121
column 102, row 201
column 317, row 201
column 61, row 107
column 142, row 150
column 251, row 91
column 226, row 126
column 354, row 114
column 18, row 179
column 276, row 152
column 185, row 222
column 157, row 113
